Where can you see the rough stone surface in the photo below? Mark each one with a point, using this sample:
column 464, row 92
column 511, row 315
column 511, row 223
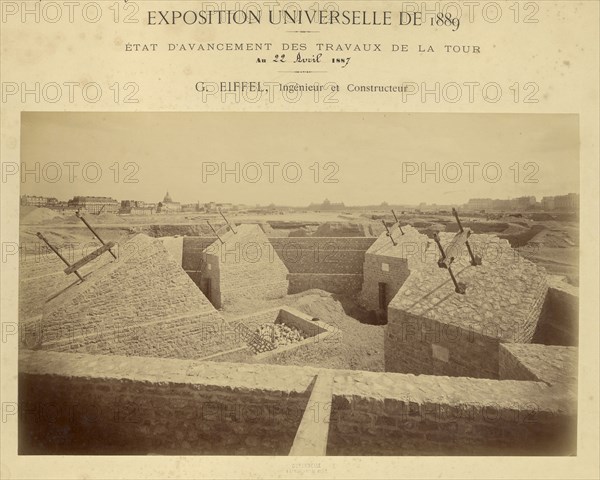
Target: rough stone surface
column 410, row 342
column 391, row 414
column 554, row 365
column 143, row 303
column 193, row 248
column 322, row 255
column 312, row 331
column 331, row 264
column 174, row 246
column 503, row 302
column 116, row 404
column 506, row 290
column 559, row 320
column 41, row 275
column 131, row 405
column 391, row 264
column 245, row 266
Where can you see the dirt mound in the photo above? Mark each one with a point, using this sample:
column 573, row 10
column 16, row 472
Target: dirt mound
column 299, row 232
column 157, row 230
column 72, row 218
column 430, row 229
column 553, row 239
column 320, row 304
column 102, row 219
column 341, row 229
column 479, row 227
column 352, row 345
column 540, row 217
column 355, row 342
column 266, row 228
column 288, row 225
column 515, row 229
column 521, row 239
column 376, row 229
column 37, row 215
column 105, row 218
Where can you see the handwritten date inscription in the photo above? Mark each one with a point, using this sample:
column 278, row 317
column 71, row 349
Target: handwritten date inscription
column 303, row 58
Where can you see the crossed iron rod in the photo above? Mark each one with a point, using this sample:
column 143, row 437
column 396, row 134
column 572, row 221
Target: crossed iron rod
column 388, row 233
column 85, row 260
column 228, row 224
column 444, row 262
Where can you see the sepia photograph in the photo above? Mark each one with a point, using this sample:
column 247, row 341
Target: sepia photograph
column 298, row 284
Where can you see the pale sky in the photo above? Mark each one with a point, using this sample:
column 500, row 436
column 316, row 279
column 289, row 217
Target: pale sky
column 370, row 152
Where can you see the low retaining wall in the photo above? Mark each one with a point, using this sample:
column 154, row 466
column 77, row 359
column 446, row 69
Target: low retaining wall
column 134, row 405
column 74, row 403
column 391, row 414
column 314, row 330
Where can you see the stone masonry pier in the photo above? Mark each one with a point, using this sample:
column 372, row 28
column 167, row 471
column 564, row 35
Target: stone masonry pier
column 434, row 330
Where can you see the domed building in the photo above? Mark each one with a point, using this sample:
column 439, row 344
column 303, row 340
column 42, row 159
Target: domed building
column 168, row 205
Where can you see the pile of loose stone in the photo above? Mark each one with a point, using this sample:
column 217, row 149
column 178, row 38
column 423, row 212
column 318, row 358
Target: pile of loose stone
column 275, row 335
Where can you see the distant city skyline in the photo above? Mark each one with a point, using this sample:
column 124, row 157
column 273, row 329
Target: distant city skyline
column 370, row 158
column 539, row 201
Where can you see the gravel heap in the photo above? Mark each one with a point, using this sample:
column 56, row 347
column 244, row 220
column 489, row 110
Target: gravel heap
column 275, row 335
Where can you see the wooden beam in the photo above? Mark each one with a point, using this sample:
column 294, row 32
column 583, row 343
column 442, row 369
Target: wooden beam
column 93, row 231
column 453, row 250
column 88, row 258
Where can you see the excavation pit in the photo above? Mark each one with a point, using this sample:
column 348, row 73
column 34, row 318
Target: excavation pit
column 303, row 331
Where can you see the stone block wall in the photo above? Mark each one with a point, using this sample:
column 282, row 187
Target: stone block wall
column 331, row 264
column 244, row 267
column 526, row 330
column 391, row 271
column 559, row 320
column 299, row 254
column 128, row 405
column 174, row 246
column 143, row 303
column 420, row 345
column 502, row 304
column 326, row 255
column 191, row 337
column 193, row 247
column 72, row 403
column 555, row 365
column 391, row 414
column 390, row 261
column 510, row 367
column 208, row 279
column 41, row 276
column 321, row 255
